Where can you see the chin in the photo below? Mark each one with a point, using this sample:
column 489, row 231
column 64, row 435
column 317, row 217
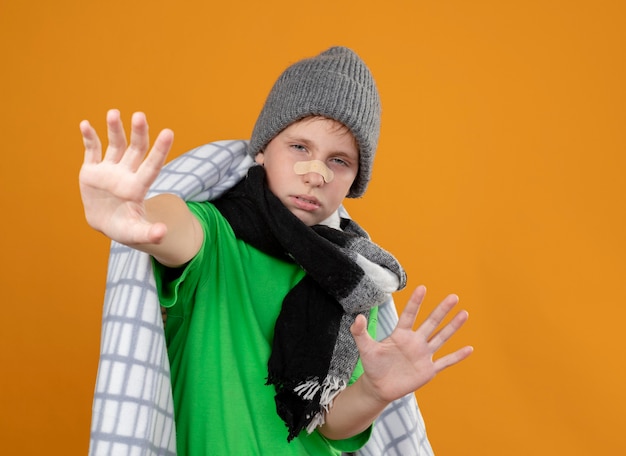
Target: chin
column 306, row 218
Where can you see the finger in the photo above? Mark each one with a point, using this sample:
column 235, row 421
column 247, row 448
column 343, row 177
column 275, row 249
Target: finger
column 156, row 233
column 145, row 233
column 428, row 327
column 139, row 141
column 116, row 135
column 93, row 147
column 448, row 330
column 452, row 358
column 409, row 314
column 152, row 165
column 361, row 336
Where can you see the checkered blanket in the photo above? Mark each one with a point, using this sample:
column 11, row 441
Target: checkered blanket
column 133, row 412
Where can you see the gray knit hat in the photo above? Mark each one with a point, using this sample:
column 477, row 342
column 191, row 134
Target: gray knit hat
column 335, row 84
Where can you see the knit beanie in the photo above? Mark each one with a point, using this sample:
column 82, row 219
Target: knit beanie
column 335, row 84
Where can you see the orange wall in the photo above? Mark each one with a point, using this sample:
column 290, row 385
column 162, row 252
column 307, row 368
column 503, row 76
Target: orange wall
column 500, row 177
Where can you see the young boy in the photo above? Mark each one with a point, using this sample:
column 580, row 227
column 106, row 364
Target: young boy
column 271, row 296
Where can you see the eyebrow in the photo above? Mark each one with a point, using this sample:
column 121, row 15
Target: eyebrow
column 299, row 139
column 310, row 142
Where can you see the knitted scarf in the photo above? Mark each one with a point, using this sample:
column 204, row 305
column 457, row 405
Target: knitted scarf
column 313, row 352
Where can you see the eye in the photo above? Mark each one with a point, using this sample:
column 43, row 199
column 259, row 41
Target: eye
column 339, row 161
column 298, row 147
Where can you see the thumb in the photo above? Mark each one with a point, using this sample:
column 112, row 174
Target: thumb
column 360, row 334
column 156, row 232
column 143, row 232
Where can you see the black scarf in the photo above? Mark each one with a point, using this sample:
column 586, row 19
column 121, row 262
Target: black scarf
column 313, row 352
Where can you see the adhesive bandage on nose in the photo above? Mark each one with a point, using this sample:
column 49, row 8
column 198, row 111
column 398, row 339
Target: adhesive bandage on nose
column 314, row 166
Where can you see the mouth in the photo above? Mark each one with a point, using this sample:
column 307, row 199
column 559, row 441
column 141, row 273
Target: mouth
column 305, row 202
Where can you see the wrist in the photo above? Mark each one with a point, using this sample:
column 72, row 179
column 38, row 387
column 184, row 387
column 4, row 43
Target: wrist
column 370, row 392
column 353, row 411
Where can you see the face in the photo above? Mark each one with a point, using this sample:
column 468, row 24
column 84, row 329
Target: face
column 308, row 196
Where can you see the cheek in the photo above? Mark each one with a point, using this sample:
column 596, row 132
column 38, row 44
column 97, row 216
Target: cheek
column 276, row 176
column 340, row 188
column 345, row 181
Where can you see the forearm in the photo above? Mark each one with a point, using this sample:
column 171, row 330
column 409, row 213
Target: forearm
column 183, row 234
column 353, row 411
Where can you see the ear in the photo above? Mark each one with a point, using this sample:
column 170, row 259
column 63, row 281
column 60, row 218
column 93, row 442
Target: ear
column 259, row 158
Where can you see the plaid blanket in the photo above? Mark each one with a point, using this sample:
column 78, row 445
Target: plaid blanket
column 133, row 413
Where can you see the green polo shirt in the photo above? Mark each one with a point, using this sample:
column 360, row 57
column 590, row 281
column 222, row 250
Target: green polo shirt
column 222, row 308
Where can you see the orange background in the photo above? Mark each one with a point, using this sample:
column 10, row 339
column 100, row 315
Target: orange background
column 500, row 176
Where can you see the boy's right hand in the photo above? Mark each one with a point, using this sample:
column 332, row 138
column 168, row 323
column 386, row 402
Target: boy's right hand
column 113, row 189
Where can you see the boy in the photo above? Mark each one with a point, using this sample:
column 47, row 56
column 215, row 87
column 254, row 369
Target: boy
column 267, row 285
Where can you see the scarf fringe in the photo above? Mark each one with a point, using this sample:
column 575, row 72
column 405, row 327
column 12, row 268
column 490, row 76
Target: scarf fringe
column 331, row 387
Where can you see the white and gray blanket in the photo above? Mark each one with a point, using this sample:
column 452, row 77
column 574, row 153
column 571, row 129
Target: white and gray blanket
column 133, row 411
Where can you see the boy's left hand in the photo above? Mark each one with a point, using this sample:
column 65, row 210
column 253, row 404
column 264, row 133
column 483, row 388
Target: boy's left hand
column 403, row 362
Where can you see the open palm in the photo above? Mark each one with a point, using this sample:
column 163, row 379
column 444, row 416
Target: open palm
column 404, row 362
column 113, row 188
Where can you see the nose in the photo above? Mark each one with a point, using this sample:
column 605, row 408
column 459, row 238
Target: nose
column 315, row 172
column 314, row 179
